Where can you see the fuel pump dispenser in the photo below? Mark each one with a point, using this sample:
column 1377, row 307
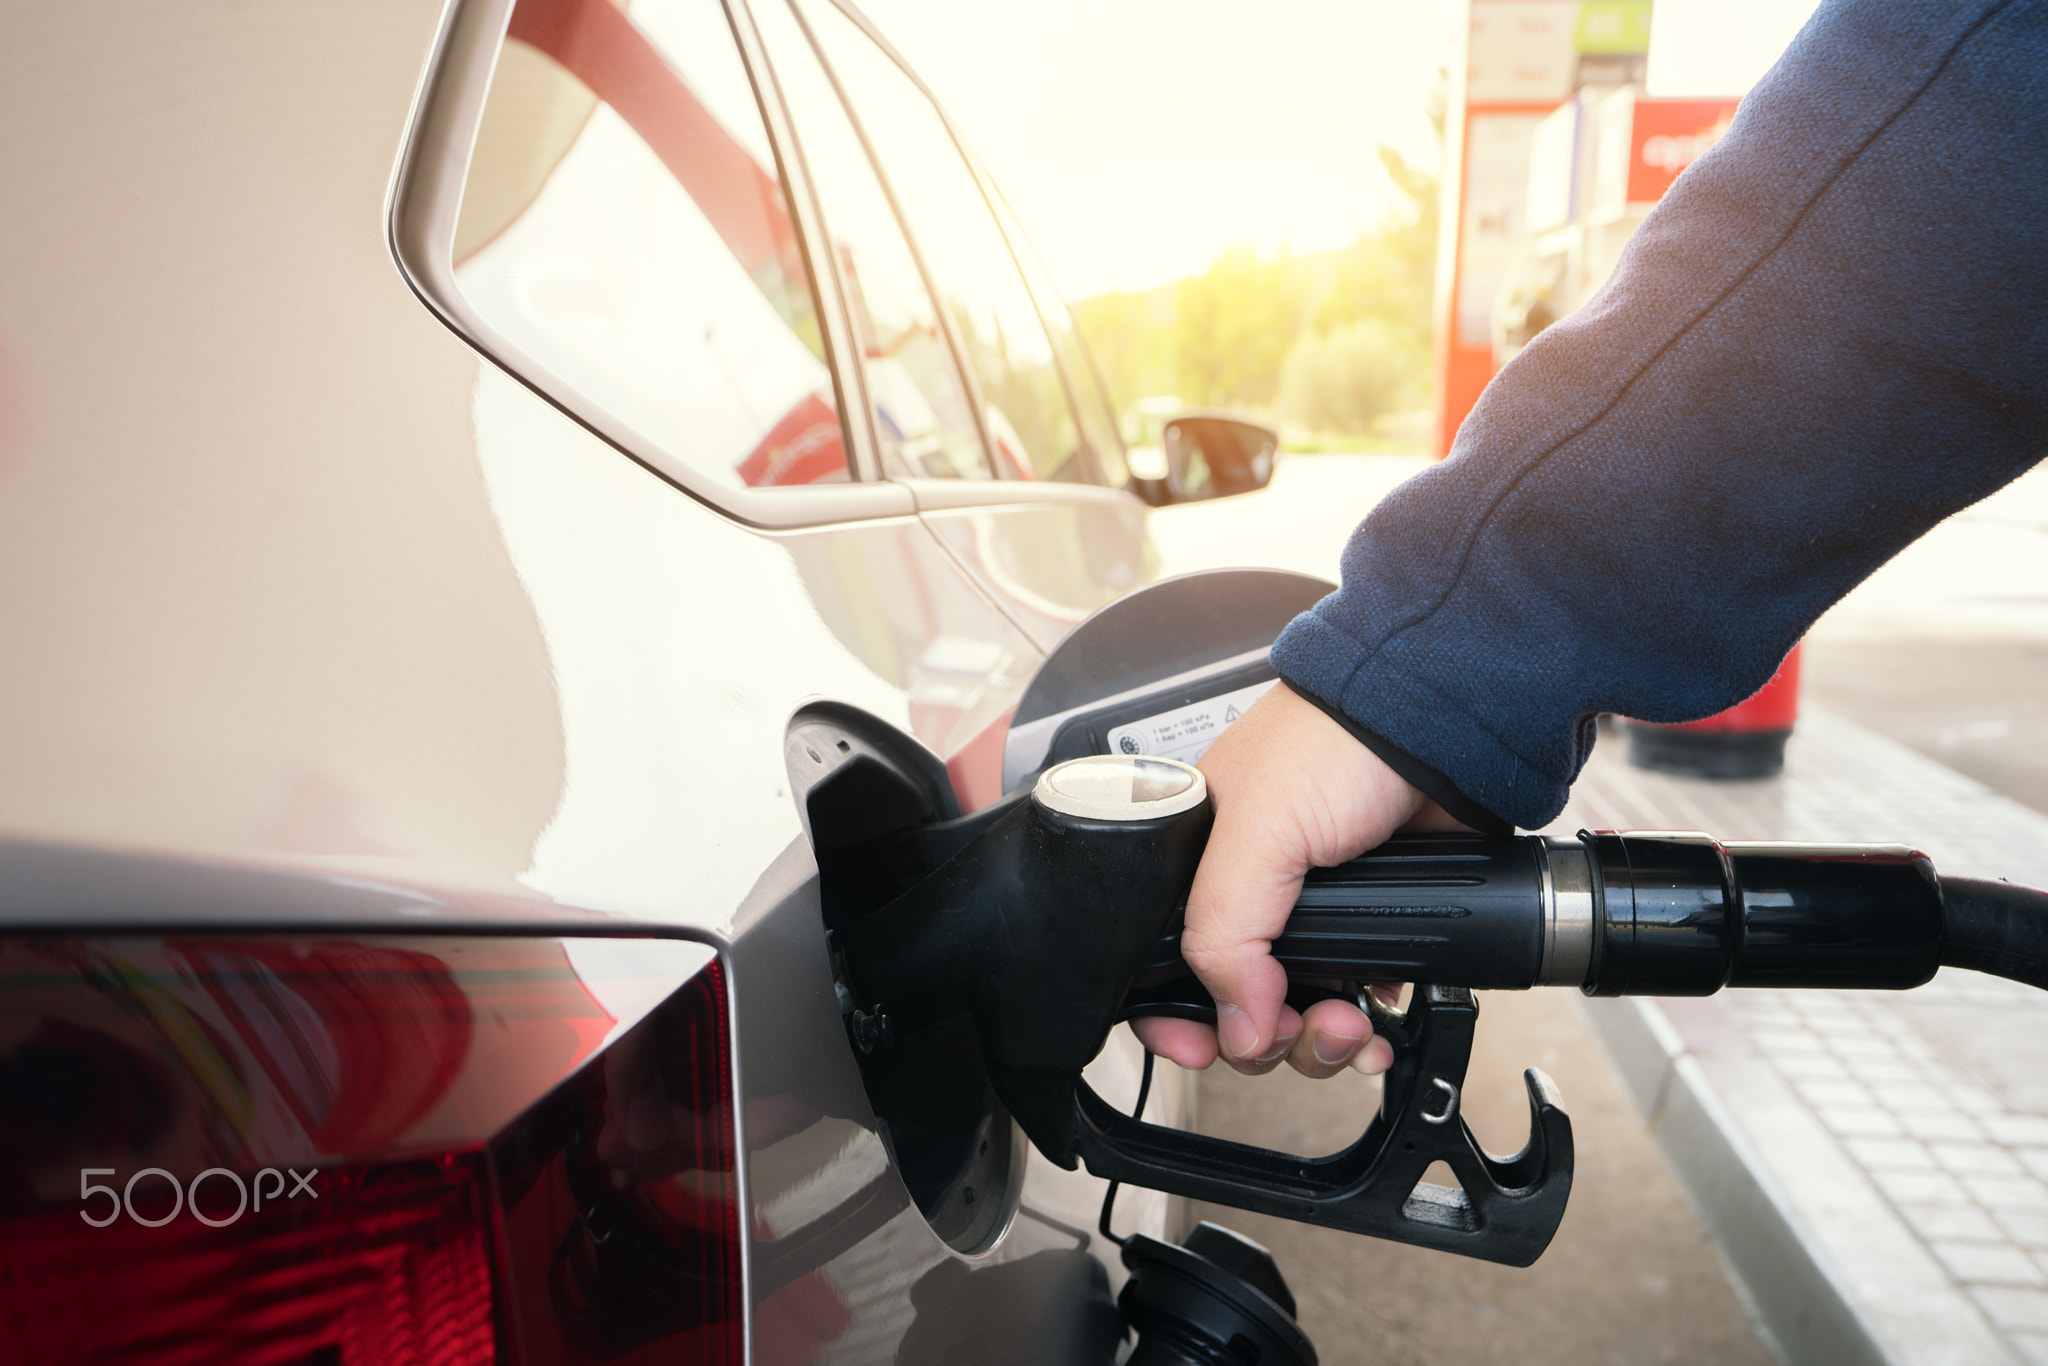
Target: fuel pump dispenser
column 1048, row 918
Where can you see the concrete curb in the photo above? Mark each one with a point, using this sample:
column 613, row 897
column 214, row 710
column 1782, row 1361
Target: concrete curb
column 1831, row 1272
column 1803, row 1309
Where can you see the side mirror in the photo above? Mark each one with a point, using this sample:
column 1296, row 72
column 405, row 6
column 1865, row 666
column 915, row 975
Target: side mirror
column 1148, row 474
column 1215, row 457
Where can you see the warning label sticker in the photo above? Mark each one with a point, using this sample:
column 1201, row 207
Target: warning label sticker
column 1186, row 734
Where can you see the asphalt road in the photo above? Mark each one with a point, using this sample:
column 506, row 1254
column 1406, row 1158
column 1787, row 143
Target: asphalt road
column 1944, row 650
column 1978, row 706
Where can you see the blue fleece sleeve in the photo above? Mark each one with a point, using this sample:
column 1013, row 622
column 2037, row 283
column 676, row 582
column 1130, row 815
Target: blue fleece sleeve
column 1832, row 334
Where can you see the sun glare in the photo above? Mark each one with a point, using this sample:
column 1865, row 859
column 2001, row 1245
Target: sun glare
column 1139, row 140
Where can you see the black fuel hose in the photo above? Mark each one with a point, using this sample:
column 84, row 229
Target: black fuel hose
column 1996, row 927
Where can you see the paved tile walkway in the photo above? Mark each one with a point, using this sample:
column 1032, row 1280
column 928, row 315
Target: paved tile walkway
column 1903, row 1136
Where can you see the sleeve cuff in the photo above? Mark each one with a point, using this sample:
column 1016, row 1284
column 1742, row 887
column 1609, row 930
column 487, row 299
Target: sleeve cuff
column 1417, row 774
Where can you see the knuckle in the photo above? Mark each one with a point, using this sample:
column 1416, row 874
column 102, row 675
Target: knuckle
column 1204, row 957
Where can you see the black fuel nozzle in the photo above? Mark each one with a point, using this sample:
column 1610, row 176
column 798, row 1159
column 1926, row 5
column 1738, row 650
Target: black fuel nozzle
column 1059, row 915
column 1032, row 929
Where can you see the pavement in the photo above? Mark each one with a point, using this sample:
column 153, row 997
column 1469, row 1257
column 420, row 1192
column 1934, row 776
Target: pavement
column 1807, row 1176
column 1945, row 649
column 1871, row 1163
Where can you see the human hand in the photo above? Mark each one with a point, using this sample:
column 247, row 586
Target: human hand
column 1293, row 790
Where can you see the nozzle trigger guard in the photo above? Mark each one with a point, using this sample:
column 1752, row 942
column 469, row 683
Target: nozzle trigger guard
column 1504, row 1210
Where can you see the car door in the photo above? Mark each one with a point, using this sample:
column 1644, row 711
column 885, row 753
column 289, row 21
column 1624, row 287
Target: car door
column 1044, row 526
column 637, row 239
column 628, row 242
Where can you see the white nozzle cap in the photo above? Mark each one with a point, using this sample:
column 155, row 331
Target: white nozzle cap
column 1120, row 787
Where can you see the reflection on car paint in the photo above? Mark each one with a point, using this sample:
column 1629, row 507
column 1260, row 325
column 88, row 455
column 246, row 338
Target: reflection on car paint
column 1051, row 564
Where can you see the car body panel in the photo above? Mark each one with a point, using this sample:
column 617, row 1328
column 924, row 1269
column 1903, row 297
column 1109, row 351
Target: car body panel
column 245, row 456
column 320, row 540
column 1050, row 560
column 304, row 593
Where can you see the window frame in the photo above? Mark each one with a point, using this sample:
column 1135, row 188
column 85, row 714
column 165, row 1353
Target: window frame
column 958, row 493
column 970, row 387
column 426, row 193
column 970, row 383
column 1012, row 228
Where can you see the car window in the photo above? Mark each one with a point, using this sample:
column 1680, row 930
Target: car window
column 1098, row 422
column 624, row 225
column 924, row 423
column 1025, row 404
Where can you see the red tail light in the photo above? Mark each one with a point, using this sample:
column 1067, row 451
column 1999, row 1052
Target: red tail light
column 372, row 1152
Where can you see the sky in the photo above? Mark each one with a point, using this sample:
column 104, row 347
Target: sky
column 1719, row 47
column 1138, row 139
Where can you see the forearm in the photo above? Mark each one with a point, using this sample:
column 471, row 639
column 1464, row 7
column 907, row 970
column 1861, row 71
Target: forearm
column 1832, row 334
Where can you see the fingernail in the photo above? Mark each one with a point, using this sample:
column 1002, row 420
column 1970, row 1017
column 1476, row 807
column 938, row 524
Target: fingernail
column 1332, row 1048
column 1363, row 1063
column 1235, row 1031
column 1277, row 1051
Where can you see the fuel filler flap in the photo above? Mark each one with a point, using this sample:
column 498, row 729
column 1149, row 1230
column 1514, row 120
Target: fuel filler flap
column 1159, row 672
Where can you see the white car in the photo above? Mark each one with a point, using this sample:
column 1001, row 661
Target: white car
column 493, row 497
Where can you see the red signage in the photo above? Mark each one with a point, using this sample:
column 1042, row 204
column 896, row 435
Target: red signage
column 1668, row 136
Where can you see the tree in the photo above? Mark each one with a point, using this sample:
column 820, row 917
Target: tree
column 1286, row 331
column 1132, row 338
column 1233, row 326
column 1341, row 380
